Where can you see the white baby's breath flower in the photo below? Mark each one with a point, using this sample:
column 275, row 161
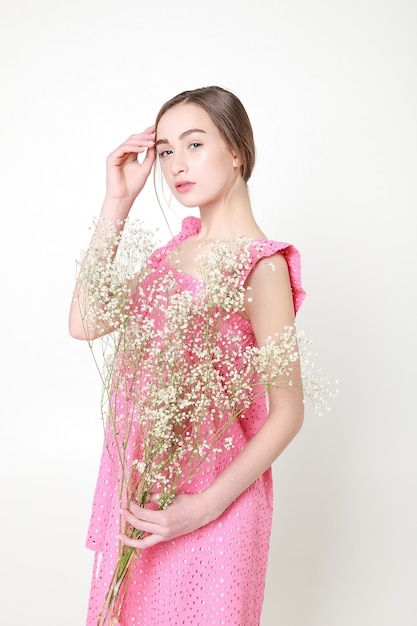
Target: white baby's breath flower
column 178, row 370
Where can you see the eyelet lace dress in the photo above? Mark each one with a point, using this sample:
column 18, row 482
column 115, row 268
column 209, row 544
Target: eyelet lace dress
column 215, row 575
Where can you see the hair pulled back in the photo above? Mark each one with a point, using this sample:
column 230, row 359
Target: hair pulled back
column 228, row 115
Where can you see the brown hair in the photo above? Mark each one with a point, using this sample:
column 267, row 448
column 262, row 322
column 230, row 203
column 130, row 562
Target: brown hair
column 228, row 115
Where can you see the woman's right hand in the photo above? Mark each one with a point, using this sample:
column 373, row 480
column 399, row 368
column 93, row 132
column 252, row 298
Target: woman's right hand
column 126, row 177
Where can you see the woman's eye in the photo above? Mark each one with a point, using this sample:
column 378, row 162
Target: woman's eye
column 165, row 153
column 195, row 145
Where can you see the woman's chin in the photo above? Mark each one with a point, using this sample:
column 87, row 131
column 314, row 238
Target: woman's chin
column 188, row 203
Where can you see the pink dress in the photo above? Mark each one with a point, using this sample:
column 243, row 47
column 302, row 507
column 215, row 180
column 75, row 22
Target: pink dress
column 216, row 574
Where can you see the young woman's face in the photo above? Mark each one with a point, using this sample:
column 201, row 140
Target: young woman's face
column 197, row 164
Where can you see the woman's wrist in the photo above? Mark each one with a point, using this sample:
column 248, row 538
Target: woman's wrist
column 214, row 502
column 116, row 209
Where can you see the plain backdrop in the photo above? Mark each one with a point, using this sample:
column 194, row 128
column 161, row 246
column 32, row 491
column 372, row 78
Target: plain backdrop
column 330, row 87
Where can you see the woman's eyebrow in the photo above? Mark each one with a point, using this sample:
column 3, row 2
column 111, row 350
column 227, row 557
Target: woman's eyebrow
column 184, row 134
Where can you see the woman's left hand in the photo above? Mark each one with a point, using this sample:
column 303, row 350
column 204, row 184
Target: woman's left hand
column 186, row 513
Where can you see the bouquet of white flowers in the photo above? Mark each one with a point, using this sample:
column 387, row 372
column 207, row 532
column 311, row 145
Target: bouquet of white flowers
column 175, row 375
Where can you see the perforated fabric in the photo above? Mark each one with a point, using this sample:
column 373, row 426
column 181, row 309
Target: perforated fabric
column 215, row 575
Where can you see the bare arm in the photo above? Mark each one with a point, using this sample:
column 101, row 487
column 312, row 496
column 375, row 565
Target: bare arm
column 270, row 310
column 125, row 179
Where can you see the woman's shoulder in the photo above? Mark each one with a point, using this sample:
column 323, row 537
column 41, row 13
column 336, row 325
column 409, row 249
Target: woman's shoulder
column 274, row 253
column 264, row 248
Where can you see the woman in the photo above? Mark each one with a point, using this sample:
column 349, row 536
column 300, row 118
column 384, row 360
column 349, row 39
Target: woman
column 203, row 559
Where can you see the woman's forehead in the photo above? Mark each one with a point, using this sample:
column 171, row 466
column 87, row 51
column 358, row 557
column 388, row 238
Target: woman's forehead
column 180, row 119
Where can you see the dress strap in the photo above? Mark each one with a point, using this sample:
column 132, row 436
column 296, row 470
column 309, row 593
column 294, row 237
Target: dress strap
column 189, row 226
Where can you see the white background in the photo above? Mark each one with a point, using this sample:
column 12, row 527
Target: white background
column 331, row 90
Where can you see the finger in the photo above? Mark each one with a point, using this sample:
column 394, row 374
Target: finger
column 138, row 522
column 134, row 144
column 148, row 136
column 149, row 160
column 127, row 541
column 141, row 544
column 129, row 152
column 148, row 520
column 147, row 514
column 138, row 511
column 153, row 532
column 140, row 139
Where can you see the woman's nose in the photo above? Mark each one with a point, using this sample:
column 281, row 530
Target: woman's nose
column 178, row 165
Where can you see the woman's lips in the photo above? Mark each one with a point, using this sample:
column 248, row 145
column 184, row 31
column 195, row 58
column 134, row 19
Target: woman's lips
column 183, row 185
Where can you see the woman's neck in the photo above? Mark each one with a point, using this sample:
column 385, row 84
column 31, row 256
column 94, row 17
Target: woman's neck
column 230, row 217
